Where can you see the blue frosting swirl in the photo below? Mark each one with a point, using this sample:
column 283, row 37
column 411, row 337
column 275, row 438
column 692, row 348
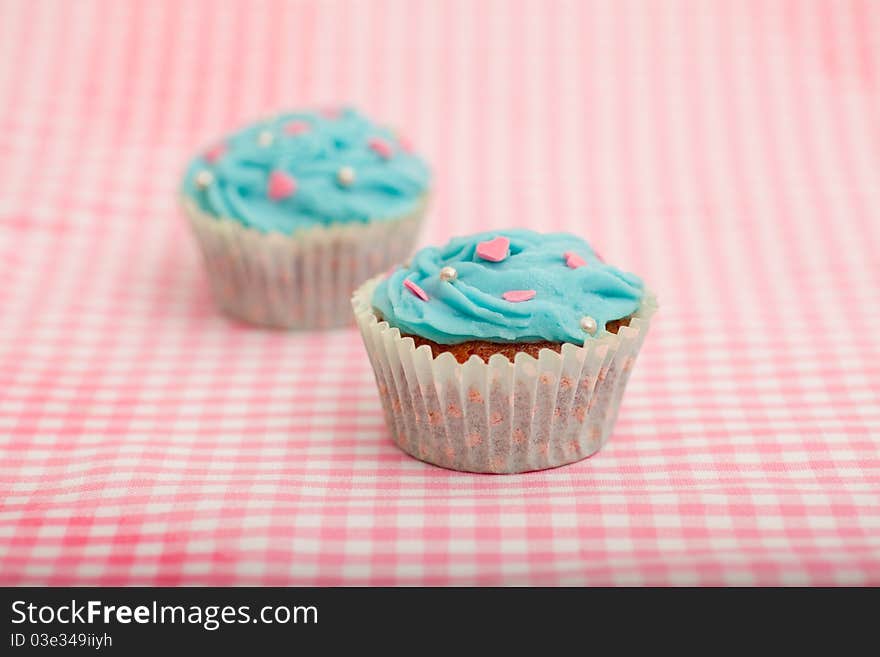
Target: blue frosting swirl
column 310, row 148
column 472, row 307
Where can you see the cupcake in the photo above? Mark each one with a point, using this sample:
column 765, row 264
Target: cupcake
column 503, row 352
column 293, row 212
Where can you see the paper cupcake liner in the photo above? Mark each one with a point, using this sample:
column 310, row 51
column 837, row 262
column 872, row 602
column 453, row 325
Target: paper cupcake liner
column 301, row 281
column 500, row 417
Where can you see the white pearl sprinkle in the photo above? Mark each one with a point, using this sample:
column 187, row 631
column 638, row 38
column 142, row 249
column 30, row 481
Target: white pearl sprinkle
column 204, row 178
column 589, row 324
column 265, row 138
column 448, row 274
column 345, row 176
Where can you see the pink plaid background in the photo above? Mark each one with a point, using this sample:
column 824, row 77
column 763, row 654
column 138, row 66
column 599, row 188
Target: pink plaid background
column 728, row 151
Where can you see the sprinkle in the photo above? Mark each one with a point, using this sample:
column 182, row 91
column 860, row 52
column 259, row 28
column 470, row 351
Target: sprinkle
column 573, row 260
column 265, row 138
column 381, row 147
column 213, row 154
column 448, row 274
column 516, row 296
column 415, row 289
column 204, row 178
column 281, row 185
column 588, row 324
column 494, row 250
column 405, row 144
column 296, row 128
column 345, row 176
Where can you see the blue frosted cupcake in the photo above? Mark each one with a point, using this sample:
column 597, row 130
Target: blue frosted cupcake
column 505, row 351
column 293, row 212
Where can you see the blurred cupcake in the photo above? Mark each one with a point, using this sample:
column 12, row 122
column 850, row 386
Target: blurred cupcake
column 503, row 352
column 293, row 212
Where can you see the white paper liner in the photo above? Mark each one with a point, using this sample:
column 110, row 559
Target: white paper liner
column 300, row 281
column 500, row 417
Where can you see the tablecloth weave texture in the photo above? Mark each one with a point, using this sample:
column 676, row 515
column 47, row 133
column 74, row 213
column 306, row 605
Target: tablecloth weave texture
column 727, row 151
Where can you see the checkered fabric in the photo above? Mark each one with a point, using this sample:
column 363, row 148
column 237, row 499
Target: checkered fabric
column 727, row 151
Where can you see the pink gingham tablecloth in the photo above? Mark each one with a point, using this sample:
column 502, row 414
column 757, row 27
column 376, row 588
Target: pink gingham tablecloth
column 727, row 151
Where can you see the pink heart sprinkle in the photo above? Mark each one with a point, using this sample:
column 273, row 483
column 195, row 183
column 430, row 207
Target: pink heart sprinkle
column 515, row 296
column 380, row 146
column 213, row 154
column 405, row 144
column 494, row 250
column 415, row 289
column 297, row 128
column 573, row 260
column 281, row 185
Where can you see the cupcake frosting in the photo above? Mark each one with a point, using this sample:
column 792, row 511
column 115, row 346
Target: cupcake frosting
column 302, row 169
column 507, row 286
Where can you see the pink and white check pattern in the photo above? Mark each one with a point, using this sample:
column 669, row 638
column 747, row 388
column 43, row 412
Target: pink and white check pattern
column 728, row 151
